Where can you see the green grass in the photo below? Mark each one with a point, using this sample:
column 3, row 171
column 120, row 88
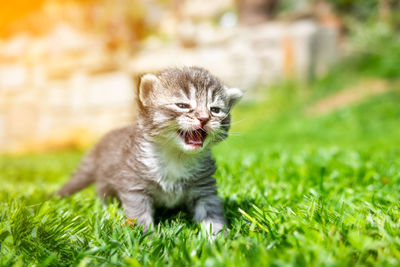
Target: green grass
column 298, row 191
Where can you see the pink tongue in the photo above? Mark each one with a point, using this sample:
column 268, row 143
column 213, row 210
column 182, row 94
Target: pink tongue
column 194, row 138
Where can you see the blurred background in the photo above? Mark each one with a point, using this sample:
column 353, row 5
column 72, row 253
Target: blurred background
column 69, row 68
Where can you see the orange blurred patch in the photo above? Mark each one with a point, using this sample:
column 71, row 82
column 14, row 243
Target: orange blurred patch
column 13, row 11
column 75, row 139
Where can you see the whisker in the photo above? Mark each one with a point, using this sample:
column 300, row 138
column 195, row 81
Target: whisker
column 239, row 121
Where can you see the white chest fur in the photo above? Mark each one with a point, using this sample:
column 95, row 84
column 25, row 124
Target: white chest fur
column 173, row 174
column 170, row 172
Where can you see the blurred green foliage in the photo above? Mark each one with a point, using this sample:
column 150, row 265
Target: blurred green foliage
column 360, row 9
column 377, row 50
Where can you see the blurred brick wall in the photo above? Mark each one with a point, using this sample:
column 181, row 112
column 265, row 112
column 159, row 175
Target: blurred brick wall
column 67, row 89
column 247, row 56
column 65, row 112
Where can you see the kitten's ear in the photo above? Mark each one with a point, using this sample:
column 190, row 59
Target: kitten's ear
column 234, row 95
column 148, row 84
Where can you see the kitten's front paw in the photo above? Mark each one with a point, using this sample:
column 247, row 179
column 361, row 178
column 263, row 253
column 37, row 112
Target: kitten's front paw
column 215, row 229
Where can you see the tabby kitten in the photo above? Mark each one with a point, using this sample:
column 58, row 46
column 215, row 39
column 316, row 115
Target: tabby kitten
column 164, row 159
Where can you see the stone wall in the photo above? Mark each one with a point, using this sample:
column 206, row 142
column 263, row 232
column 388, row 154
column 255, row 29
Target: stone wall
column 67, row 91
column 67, row 112
column 245, row 56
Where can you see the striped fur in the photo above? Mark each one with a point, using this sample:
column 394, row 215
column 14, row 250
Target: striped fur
column 148, row 164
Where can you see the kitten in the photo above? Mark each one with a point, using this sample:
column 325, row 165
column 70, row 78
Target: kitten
column 164, row 159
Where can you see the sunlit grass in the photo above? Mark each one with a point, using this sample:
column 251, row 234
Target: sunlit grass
column 298, row 190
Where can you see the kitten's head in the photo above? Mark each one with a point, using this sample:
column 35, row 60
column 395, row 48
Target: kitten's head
column 186, row 108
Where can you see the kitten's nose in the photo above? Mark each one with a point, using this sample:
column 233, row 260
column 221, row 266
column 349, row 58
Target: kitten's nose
column 203, row 117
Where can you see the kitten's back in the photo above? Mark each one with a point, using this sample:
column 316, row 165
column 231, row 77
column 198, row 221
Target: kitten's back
column 106, row 152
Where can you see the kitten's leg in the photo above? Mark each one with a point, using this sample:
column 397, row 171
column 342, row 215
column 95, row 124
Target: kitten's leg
column 104, row 190
column 207, row 207
column 209, row 210
column 138, row 206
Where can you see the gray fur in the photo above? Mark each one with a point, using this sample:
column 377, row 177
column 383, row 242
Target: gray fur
column 148, row 164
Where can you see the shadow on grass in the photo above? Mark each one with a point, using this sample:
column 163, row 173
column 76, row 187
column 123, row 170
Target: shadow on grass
column 183, row 215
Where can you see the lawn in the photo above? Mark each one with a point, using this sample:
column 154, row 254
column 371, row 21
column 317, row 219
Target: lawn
column 299, row 190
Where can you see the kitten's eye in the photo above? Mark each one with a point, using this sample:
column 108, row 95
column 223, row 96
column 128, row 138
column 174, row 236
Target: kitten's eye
column 215, row 110
column 182, row 105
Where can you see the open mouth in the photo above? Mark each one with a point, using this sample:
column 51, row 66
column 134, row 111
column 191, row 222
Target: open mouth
column 194, row 138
